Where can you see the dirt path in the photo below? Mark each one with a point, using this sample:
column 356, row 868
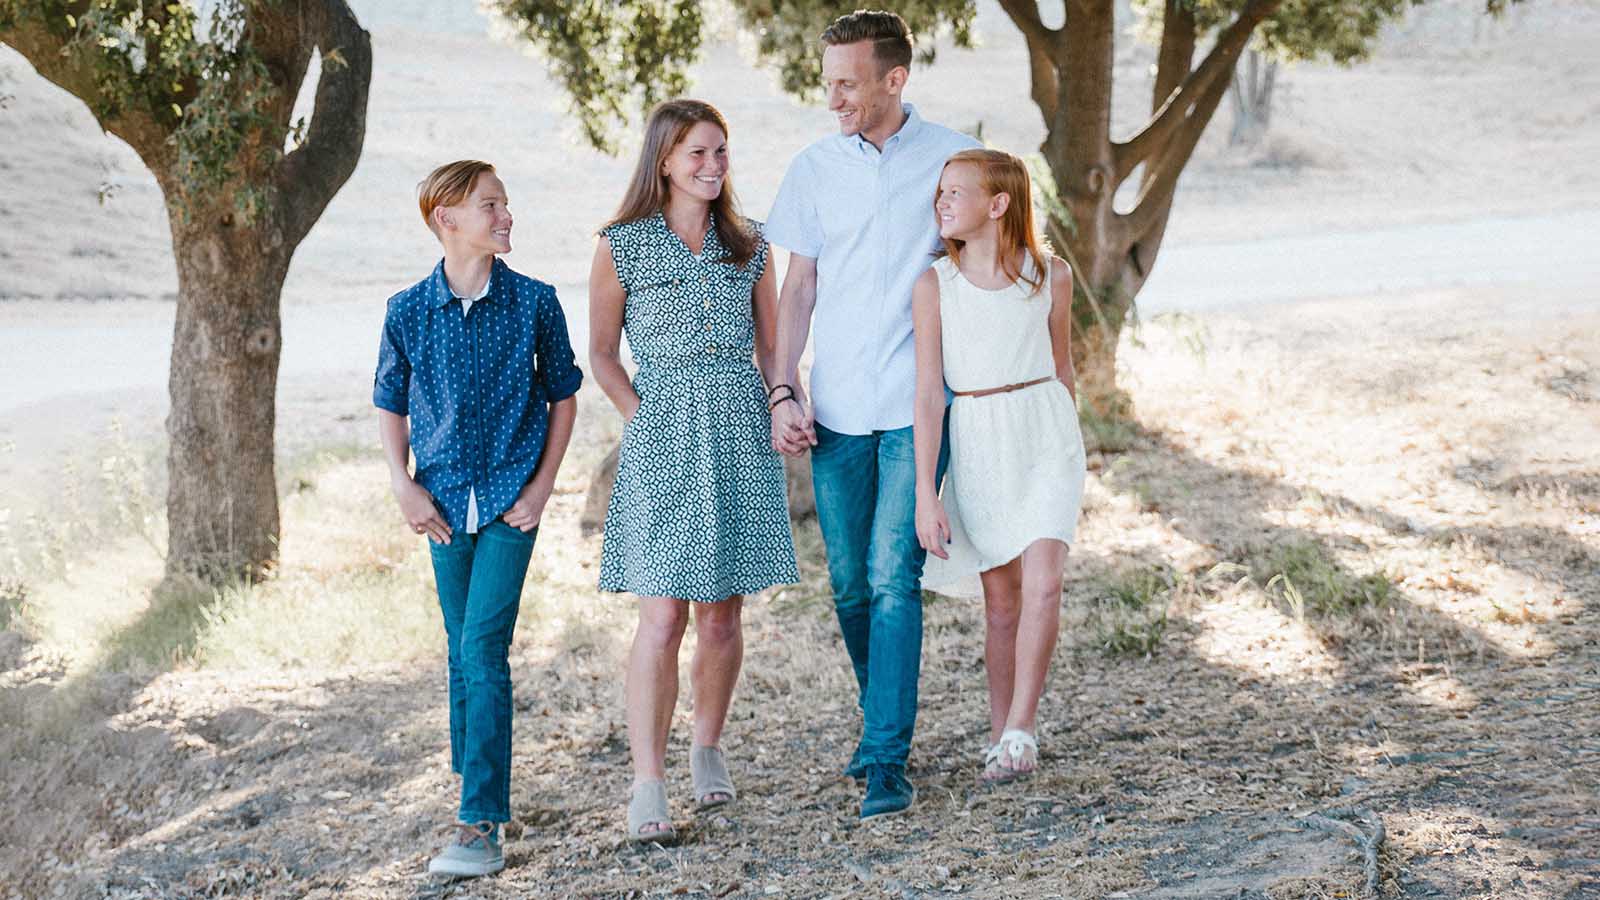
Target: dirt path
column 1425, row 475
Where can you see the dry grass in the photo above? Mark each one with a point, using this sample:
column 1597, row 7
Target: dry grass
column 1349, row 555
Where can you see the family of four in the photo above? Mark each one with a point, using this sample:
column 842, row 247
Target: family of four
column 954, row 375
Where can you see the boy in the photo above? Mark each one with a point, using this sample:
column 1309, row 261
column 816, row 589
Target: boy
column 476, row 377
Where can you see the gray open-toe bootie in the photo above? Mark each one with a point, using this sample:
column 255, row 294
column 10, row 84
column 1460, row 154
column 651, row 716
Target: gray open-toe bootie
column 709, row 771
column 647, row 806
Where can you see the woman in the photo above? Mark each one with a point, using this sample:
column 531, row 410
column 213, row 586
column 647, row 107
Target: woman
column 699, row 514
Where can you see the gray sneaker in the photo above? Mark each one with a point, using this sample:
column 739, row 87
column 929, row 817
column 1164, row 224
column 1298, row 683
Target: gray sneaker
column 474, row 852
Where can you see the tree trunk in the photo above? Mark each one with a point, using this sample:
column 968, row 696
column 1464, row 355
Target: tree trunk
column 1112, row 253
column 1251, row 98
column 1103, row 289
column 222, row 501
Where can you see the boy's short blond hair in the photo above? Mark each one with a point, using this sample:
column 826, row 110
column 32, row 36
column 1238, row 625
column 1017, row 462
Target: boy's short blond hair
column 448, row 185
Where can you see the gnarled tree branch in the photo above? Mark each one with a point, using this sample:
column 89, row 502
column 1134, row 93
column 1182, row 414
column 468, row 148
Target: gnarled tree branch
column 1082, row 127
column 1044, row 82
column 1161, row 180
column 71, row 67
column 1175, row 59
column 1025, row 15
column 314, row 171
column 1177, row 111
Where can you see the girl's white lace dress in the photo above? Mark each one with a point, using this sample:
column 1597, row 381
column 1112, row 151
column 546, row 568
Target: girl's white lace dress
column 1016, row 458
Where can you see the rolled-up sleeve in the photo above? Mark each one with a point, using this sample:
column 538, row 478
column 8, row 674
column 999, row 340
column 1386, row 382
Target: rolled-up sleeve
column 555, row 372
column 391, row 386
column 793, row 223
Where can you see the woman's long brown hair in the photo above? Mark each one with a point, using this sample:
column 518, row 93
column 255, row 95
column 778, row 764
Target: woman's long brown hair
column 669, row 122
column 1001, row 173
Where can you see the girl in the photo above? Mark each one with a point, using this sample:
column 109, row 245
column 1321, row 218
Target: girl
column 699, row 513
column 992, row 318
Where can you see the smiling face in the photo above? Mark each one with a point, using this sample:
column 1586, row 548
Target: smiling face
column 481, row 223
column 963, row 206
column 864, row 98
column 698, row 165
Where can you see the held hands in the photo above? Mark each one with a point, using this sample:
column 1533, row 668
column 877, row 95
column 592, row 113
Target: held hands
column 525, row 513
column 416, row 505
column 793, row 427
column 933, row 526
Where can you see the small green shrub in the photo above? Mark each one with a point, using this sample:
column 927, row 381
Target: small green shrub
column 13, row 593
column 1130, row 611
column 1306, row 578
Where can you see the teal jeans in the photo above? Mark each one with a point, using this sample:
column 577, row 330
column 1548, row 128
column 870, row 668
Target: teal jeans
column 480, row 590
column 866, row 488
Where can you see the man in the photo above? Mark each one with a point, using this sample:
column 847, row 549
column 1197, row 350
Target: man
column 856, row 213
column 476, row 377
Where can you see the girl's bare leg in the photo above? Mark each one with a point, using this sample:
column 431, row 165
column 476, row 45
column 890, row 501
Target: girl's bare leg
column 1002, row 605
column 1042, row 565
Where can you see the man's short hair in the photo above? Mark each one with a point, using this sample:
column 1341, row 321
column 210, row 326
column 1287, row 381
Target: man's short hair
column 448, row 185
column 890, row 37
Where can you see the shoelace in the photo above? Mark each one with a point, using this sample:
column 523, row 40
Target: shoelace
column 467, row 835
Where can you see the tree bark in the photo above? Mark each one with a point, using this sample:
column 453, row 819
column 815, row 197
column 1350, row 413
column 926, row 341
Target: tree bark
column 222, row 500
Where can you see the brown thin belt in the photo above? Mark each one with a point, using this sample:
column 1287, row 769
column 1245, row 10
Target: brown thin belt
column 1005, row 389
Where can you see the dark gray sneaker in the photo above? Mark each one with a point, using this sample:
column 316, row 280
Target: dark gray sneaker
column 888, row 791
column 474, row 852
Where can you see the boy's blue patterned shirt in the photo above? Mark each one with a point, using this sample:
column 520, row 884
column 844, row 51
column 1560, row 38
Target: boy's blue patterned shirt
column 476, row 386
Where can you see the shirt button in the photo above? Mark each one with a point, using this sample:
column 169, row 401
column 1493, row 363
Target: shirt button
column 705, row 279
column 676, row 282
column 708, row 326
column 711, row 348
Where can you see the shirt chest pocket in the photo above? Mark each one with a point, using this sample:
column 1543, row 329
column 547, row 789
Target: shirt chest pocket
column 654, row 304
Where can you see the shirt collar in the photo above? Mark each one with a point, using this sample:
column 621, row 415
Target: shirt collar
column 908, row 132
column 712, row 240
column 442, row 295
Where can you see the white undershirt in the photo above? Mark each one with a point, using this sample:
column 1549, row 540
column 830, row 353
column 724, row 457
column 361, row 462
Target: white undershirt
column 472, row 492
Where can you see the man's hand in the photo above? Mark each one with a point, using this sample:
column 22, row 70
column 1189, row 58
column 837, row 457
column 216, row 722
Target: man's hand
column 416, row 505
column 793, row 428
column 525, row 513
column 933, row 526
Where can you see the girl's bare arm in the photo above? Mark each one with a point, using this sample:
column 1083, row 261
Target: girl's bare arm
column 1061, row 324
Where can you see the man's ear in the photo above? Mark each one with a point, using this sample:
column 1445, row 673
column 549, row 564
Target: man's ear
column 998, row 204
column 895, row 79
column 442, row 219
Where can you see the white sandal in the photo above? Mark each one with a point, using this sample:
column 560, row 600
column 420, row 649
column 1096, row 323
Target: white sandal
column 1014, row 743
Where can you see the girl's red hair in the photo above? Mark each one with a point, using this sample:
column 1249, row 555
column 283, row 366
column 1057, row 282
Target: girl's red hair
column 1001, row 173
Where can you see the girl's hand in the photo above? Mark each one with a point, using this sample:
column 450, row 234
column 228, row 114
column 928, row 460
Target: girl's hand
column 933, row 526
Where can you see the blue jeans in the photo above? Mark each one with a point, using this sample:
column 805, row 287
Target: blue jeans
column 866, row 487
column 480, row 589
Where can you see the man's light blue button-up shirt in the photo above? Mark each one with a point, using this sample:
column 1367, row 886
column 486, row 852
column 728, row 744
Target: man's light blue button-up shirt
column 867, row 218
